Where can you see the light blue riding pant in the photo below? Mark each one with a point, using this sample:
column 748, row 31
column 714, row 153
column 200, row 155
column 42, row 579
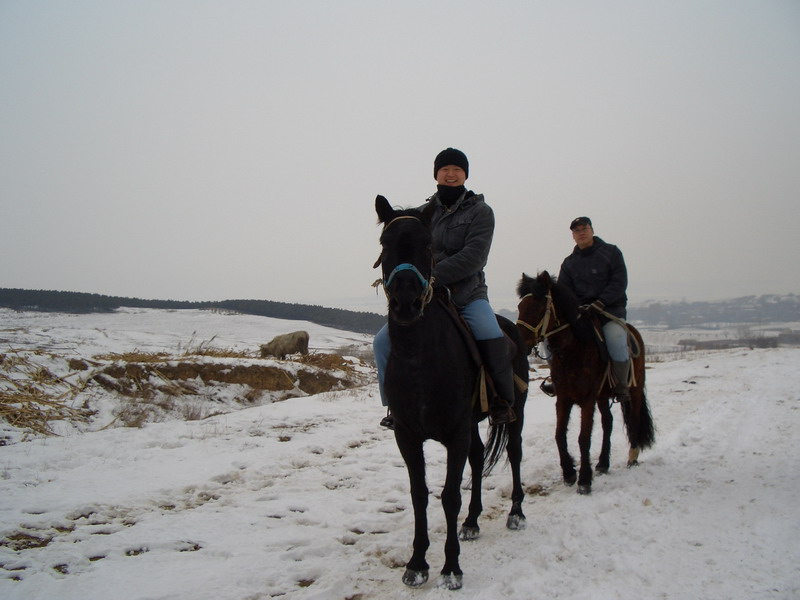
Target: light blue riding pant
column 616, row 341
column 478, row 314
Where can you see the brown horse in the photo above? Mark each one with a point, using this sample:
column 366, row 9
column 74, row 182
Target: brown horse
column 549, row 311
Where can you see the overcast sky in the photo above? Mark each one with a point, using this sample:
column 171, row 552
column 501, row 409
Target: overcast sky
column 207, row 150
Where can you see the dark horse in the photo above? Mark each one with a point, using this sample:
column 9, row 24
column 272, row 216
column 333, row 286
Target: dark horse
column 430, row 382
column 549, row 310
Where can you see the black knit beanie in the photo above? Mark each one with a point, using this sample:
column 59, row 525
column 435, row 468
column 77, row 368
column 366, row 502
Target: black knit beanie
column 450, row 156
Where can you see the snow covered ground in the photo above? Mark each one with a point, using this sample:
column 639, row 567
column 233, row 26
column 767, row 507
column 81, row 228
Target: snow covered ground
column 308, row 498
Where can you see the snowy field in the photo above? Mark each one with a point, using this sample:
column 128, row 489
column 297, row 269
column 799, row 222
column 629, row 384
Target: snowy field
column 307, row 498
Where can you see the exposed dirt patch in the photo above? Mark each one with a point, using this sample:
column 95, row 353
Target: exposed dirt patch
column 129, row 379
column 20, row 540
column 37, row 389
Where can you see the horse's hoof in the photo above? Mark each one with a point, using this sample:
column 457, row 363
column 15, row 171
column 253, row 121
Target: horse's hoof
column 515, row 522
column 570, row 479
column 601, row 470
column 450, row 581
column 415, row 578
column 469, row 534
column 584, row 489
column 633, row 463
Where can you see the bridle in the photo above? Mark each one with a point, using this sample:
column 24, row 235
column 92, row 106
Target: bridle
column 427, row 284
column 540, row 331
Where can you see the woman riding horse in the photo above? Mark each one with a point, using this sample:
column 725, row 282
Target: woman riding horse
column 462, row 227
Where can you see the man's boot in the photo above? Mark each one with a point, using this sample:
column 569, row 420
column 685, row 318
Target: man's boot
column 621, row 371
column 497, row 361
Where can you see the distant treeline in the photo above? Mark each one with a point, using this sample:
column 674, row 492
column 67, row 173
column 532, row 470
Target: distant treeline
column 80, row 302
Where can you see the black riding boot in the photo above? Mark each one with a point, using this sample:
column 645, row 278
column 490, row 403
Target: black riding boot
column 388, row 420
column 621, row 369
column 497, row 360
column 547, row 386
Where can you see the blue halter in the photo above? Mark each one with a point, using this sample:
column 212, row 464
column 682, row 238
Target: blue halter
column 406, row 267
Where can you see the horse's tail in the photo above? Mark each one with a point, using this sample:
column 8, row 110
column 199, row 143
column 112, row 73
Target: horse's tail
column 647, row 431
column 641, row 434
column 495, row 447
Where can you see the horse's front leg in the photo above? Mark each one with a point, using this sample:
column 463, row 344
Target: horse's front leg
column 416, row 573
column 470, row 530
column 585, row 445
column 607, row 421
column 516, row 518
column 563, row 408
column 452, row 576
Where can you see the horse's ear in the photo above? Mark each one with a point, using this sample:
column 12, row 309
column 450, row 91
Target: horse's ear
column 545, row 278
column 384, row 209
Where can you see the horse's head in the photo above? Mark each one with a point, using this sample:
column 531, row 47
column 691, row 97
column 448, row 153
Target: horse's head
column 547, row 307
column 406, row 259
column 534, row 307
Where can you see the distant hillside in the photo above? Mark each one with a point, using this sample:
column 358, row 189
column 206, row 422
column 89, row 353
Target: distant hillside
column 748, row 309
column 79, row 302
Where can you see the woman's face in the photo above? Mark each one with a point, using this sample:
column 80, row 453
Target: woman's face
column 451, row 175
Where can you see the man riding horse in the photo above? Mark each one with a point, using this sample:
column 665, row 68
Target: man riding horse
column 596, row 273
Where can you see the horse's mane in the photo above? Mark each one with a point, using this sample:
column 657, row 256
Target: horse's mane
column 529, row 285
column 564, row 299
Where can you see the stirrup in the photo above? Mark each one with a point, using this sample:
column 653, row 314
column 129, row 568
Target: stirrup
column 621, row 399
column 388, row 421
column 548, row 388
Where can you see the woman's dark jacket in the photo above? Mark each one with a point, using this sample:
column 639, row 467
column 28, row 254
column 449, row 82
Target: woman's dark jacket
column 597, row 272
column 462, row 237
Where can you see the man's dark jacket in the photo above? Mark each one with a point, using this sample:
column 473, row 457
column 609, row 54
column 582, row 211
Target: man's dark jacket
column 597, row 272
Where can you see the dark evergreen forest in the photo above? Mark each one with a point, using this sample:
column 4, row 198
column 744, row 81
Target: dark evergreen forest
column 80, row 302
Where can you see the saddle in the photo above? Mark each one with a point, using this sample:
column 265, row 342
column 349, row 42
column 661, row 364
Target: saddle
column 633, row 351
column 600, row 340
column 485, row 387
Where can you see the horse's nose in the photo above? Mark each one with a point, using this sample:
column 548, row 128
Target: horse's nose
column 405, row 312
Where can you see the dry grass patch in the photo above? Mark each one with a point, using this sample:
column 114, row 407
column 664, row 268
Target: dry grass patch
column 134, row 356
column 32, row 397
column 34, row 410
column 327, row 361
